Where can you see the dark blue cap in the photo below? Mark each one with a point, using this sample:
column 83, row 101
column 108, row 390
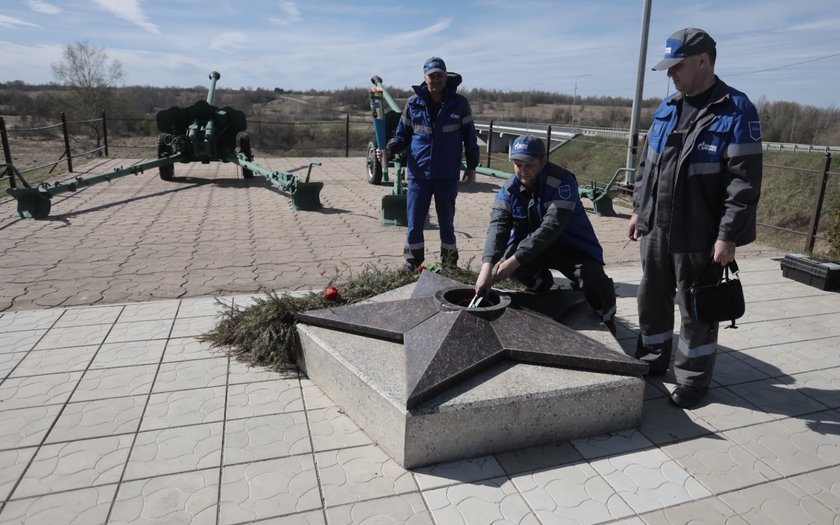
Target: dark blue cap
column 434, row 64
column 527, row 147
column 683, row 44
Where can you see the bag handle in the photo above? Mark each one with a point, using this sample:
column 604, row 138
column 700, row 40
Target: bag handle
column 731, row 267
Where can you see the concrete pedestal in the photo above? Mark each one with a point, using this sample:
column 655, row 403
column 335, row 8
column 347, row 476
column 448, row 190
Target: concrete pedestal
column 507, row 406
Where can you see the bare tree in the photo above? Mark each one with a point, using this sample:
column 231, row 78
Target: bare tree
column 86, row 71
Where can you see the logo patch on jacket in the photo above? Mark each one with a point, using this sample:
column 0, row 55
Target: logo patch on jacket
column 565, row 191
column 711, row 148
column 755, row 129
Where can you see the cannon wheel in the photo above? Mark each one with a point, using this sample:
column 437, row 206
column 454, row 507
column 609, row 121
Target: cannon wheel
column 167, row 171
column 245, row 147
column 374, row 168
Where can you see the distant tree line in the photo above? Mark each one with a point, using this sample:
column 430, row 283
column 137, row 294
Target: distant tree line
column 133, row 108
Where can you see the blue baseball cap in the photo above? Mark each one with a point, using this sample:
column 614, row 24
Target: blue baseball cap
column 433, row 65
column 527, row 148
column 683, row 44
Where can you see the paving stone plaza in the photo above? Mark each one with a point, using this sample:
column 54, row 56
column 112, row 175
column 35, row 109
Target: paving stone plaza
column 112, row 411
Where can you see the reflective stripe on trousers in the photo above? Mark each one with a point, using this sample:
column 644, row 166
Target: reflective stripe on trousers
column 666, row 276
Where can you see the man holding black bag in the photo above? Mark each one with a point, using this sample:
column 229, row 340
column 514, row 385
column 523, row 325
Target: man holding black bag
column 695, row 200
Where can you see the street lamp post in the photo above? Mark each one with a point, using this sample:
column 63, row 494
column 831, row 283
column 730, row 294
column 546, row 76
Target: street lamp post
column 574, row 97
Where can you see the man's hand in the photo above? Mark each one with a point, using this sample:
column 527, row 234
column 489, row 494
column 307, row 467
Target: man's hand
column 485, row 279
column 632, row 233
column 506, row 269
column 469, row 177
column 723, row 252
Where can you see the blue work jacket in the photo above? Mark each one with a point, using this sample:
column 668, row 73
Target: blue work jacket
column 436, row 144
column 559, row 219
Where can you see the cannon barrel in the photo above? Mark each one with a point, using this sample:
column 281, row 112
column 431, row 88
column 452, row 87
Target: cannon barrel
column 211, row 93
column 376, row 80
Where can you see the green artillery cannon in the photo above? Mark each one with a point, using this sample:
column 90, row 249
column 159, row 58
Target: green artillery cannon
column 199, row 133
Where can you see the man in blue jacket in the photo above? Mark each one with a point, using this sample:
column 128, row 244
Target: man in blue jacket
column 538, row 222
column 435, row 123
column 695, row 199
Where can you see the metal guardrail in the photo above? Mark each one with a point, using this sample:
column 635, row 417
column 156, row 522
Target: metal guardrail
column 572, row 131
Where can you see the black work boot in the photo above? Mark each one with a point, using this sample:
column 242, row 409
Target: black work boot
column 449, row 258
column 658, row 357
column 688, row 396
column 413, row 259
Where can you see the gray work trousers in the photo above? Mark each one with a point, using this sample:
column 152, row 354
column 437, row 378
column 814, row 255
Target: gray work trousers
column 578, row 267
column 666, row 275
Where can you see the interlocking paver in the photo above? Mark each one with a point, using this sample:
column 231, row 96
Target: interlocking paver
column 823, row 485
column 188, row 498
column 74, row 336
column 264, row 398
column 794, row 445
column 111, row 355
column 139, row 331
column 184, row 407
column 20, row 341
column 40, row 390
column 24, row 427
column 263, row 489
column 86, row 316
column 52, row 361
column 719, row 463
column 115, row 382
column 465, row 471
column 330, row 428
column 103, row 417
column 75, row 465
column 12, row 465
column 89, row 505
column 266, row 437
column 171, row 450
column 361, row 473
column 200, row 373
column 574, row 493
column 780, row 502
column 649, row 479
column 492, row 501
column 405, row 508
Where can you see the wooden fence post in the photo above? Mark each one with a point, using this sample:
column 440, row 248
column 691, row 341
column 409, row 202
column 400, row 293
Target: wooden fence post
column 66, row 142
column 104, row 133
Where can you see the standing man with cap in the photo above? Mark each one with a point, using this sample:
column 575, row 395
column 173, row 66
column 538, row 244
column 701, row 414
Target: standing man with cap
column 695, row 200
column 435, row 123
column 537, row 223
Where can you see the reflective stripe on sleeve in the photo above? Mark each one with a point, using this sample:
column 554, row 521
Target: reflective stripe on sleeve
column 563, row 205
column 703, row 168
column 741, row 150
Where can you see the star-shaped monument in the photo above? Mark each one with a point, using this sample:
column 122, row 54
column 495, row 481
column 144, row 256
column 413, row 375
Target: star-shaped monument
column 445, row 341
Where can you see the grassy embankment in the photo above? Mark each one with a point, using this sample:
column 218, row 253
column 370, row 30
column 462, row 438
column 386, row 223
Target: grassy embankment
column 788, row 188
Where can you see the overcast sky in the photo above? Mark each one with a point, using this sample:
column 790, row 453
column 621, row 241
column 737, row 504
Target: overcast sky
column 778, row 49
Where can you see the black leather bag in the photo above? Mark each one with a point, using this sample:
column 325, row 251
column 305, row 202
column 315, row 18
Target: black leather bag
column 717, row 301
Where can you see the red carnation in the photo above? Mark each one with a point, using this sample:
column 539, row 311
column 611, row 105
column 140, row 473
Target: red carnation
column 330, row 294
